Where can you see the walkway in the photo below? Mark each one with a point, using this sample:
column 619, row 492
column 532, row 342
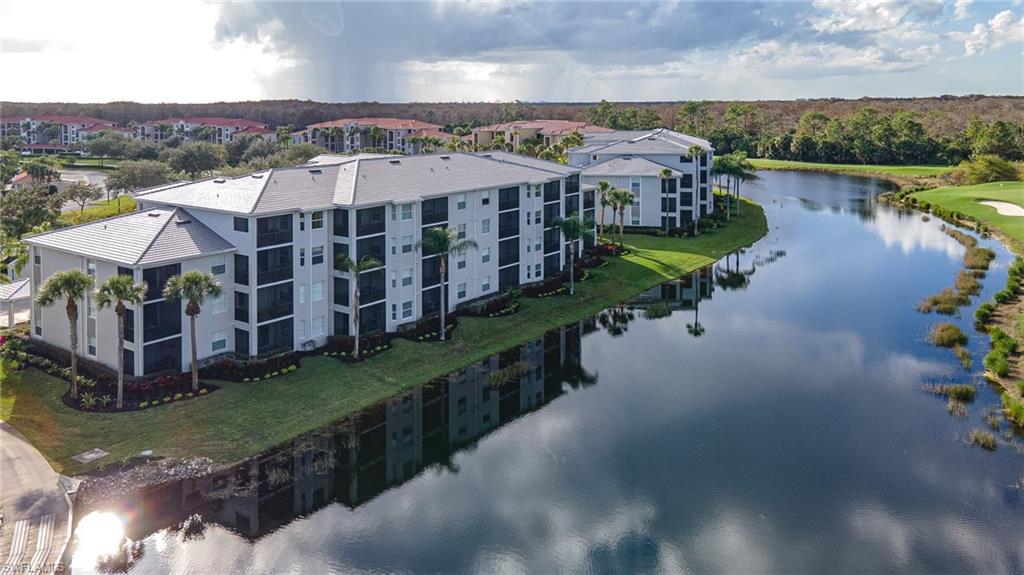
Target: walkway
column 33, row 507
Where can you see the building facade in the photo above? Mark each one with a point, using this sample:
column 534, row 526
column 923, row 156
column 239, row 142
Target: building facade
column 214, row 129
column 350, row 135
column 547, row 131
column 53, row 130
column 272, row 239
column 636, row 161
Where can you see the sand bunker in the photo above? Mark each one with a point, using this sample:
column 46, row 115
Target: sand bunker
column 1004, row 208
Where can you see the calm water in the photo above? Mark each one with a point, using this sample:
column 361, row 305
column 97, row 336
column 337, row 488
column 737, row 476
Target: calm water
column 777, row 426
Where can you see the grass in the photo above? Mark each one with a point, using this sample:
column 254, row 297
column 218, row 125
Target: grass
column 97, row 211
column 243, row 419
column 947, row 335
column 945, row 302
column 964, row 199
column 903, row 171
column 958, row 391
column 983, row 439
column 964, row 355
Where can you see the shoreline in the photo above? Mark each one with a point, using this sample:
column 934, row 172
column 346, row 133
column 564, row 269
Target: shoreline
column 245, row 419
column 902, row 181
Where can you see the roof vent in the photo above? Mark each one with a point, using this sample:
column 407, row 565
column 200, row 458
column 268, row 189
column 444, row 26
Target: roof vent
column 446, row 157
column 394, row 162
column 258, row 176
column 219, row 181
column 153, row 215
column 316, row 171
column 183, row 222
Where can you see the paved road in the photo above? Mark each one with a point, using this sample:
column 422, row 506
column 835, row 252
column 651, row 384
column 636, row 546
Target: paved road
column 35, row 512
column 93, row 177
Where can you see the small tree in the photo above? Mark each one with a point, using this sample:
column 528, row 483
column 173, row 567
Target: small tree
column 70, row 286
column 573, row 229
column 444, row 242
column 197, row 158
column 117, row 291
column 194, row 287
column 621, row 198
column 603, row 191
column 82, row 193
column 343, row 263
column 134, row 175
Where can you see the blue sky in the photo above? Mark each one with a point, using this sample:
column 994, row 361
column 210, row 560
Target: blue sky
column 191, row 51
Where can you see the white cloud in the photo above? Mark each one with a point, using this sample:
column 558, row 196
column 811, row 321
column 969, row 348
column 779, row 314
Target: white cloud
column 1002, row 29
column 962, row 9
column 777, row 59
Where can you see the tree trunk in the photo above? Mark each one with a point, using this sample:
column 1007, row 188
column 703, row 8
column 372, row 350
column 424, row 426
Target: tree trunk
column 195, row 366
column 622, row 226
column 444, row 293
column 355, row 315
column 601, row 229
column 72, row 310
column 119, row 310
column 572, row 268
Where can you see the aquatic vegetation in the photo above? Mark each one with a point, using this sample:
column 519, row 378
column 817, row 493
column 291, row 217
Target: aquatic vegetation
column 947, row 335
column 984, row 312
column 958, row 391
column 945, row 302
column 978, row 258
column 657, row 310
column 983, row 439
column 956, row 408
column 967, row 282
column 1013, row 408
column 964, row 355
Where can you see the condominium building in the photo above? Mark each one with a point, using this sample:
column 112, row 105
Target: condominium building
column 271, row 238
column 547, row 131
column 349, row 135
column 215, row 129
column 53, row 130
column 638, row 160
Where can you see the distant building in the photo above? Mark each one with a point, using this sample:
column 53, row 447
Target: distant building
column 218, row 130
column 548, row 131
column 49, row 132
column 636, row 160
column 349, row 135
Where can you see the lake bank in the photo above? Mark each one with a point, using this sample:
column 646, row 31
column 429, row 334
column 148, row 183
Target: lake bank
column 902, row 176
column 243, row 419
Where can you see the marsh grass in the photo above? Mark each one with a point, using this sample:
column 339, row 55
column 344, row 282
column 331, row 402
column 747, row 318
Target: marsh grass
column 978, row 258
column 947, row 335
column 958, row 391
column 964, row 355
column 983, row 439
column 1003, row 347
column 956, row 408
column 945, row 302
column 967, row 282
column 992, row 418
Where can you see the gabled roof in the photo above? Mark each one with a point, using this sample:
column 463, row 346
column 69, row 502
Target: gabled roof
column 628, row 166
column 530, row 161
column 433, row 133
column 385, row 123
column 138, row 238
column 660, row 141
column 363, row 179
column 15, row 291
column 545, row 127
column 62, row 119
column 208, row 121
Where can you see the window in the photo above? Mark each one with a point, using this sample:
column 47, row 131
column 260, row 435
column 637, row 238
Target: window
column 485, row 284
column 316, row 220
column 634, row 188
column 508, row 198
column 462, row 231
column 462, row 290
column 341, row 222
column 317, row 256
column 370, row 221
column 527, row 268
column 372, row 286
column 485, row 226
column 508, row 224
column 687, row 180
column 220, row 340
column 275, row 336
column 394, row 247
column 394, row 279
column 302, row 257
column 406, row 211
column 486, row 255
column 407, row 277
column 317, row 292
column 461, row 264
column 485, row 198
column 394, row 212
column 155, row 278
column 241, row 269
column 129, row 325
column 274, row 302
column 394, row 312
column 219, row 304
column 220, row 265
column 90, row 267
column 552, row 191
column 160, row 320
column 536, row 216
column 460, row 201
column 318, row 326
column 162, row 356
column 242, row 225
column 123, row 271
column 302, row 221
column 375, row 247
column 273, row 230
column 241, row 342
column 341, row 323
column 406, row 309
column 302, row 293
column 407, row 244
column 537, row 245
column 241, row 307
column 434, row 211
column 341, row 291
column 537, row 270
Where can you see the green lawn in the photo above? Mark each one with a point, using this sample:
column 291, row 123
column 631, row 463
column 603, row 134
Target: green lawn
column 92, row 163
column 904, row 171
column 97, row 211
column 965, row 199
column 243, row 419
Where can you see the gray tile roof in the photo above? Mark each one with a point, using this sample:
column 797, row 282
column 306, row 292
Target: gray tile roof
column 139, row 238
column 15, row 291
column 660, row 141
column 627, row 166
column 238, row 195
column 530, row 162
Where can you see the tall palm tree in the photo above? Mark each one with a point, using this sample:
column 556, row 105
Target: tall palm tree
column 117, row 291
column 194, row 287
column 743, row 171
column 621, row 198
column 343, row 263
column 573, row 230
column 603, row 189
column 70, row 286
column 665, row 175
column 377, row 134
column 444, row 242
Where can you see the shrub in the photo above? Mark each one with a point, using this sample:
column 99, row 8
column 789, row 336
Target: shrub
column 1013, row 408
column 945, row 302
column 978, row 258
column 985, row 168
column 984, row 312
column 967, row 283
column 983, row 439
column 178, row 396
column 143, row 405
column 947, row 335
column 204, row 391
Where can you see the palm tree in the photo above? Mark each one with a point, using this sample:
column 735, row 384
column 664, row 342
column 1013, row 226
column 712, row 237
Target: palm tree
column 343, row 263
column 620, row 198
column 71, row 286
column 194, row 287
column 376, row 135
column 665, row 175
column 603, row 189
column 444, row 242
column 117, row 291
column 573, row 229
column 743, row 171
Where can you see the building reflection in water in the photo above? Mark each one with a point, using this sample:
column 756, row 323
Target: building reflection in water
column 356, row 459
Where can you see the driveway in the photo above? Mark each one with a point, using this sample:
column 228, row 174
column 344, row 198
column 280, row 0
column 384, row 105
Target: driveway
column 35, row 512
column 73, row 175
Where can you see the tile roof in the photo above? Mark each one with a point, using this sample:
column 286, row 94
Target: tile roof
column 15, row 291
column 627, row 166
column 106, row 128
column 62, row 119
column 546, row 127
column 432, row 133
column 660, row 141
column 386, row 123
column 207, row 121
column 138, row 238
column 530, row 161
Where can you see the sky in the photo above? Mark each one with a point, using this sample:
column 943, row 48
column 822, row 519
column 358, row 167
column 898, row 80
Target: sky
column 194, row 51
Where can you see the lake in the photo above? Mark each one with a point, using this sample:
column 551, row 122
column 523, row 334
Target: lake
column 765, row 415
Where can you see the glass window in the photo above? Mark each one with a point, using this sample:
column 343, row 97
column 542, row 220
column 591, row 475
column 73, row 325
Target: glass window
column 302, row 257
column 316, row 220
column 485, row 226
column 407, row 211
column 241, row 342
column 220, row 265
column 341, row 291
column 370, row 221
column 219, row 304
column 241, row 307
column 220, row 340
column 687, row 180
column 275, row 336
column 462, row 291
column 407, row 244
column 273, row 230
column 318, row 326
column 485, row 284
column 434, row 211
column 536, row 216
column 485, row 197
column 90, row 267
column 508, row 198
column 485, row 255
column 302, row 293
column 242, row 225
column 407, row 277
column 318, row 291
column 155, row 278
column 462, row 231
column 302, row 221
column 461, row 264
column 406, row 309
column 165, row 355
column 241, row 269
column 317, row 256
column 341, row 222
column 274, row 302
column 375, row 247
column 460, row 201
